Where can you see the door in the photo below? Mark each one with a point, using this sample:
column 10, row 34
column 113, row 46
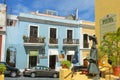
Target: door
column 69, row 58
column 33, row 58
column 52, row 61
column 33, row 33
column 69, row 36
column 53, row 33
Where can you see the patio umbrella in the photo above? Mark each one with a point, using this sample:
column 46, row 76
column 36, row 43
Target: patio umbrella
column 75, row 58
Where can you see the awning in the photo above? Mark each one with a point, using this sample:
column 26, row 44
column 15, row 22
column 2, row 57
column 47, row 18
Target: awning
column 70, row 52
column 33, row 53
column 54, row 52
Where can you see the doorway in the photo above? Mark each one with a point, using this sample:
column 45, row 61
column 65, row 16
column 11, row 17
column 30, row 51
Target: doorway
column 33, row 58
column 69, row 58
column 32, row 61
column 52, row 61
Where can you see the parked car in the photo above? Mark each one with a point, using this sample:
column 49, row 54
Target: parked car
column 41, row 71
column 11, row 71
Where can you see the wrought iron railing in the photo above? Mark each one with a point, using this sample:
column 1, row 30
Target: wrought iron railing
column 70, row 41
column 53, row 41
column 33, row 40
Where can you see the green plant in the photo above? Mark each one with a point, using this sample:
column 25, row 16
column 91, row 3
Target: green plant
column 25, row 38
column 110, row 46
column 2, row 68
column 41, row 39
column 66, row 63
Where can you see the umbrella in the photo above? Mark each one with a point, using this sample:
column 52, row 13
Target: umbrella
column 75, row 58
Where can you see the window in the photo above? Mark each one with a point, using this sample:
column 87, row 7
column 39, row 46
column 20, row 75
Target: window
column 53, row 33
column 33, row 31
column 11, row 22
column 85, row 41
column 69, row 34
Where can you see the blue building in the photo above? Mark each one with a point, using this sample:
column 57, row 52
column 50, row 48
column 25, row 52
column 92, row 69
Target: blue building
column 42, row 39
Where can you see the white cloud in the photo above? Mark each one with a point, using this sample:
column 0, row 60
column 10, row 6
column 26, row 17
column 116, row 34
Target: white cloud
column 20, row 8
column 85, row 7
column 64, row 7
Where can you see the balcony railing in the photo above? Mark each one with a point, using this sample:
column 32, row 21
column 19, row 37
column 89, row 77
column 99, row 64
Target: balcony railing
column 85, row 45
column 70, row 41
column 33, row 40
column 53, row 41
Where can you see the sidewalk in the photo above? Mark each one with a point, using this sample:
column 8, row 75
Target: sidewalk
column 79, row 76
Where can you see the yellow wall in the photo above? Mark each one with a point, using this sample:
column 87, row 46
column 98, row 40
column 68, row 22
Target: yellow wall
column 90, row 30
column 85, row 53
column 103, row 8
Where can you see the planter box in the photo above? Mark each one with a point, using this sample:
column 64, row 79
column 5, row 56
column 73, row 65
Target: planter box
column 1, row 76
column 111, row 77
column 65, row 74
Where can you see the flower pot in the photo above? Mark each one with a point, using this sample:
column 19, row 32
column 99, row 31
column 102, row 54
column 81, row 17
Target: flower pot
column 2, row 77
column 64, row 66
column 116, row 70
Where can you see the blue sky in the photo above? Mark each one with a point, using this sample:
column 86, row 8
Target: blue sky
column 63, row 7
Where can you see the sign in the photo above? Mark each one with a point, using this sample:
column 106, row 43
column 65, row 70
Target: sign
column 107, row 24
column 33, row 53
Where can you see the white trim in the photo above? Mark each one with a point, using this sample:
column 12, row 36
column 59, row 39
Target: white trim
column 3, row 48
column 70, row 52
column 53, row 52
column 27, row 60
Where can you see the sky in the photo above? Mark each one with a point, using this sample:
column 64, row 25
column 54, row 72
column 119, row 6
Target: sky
column 63, row 7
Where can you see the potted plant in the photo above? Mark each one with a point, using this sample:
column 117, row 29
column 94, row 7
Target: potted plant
column 110, row 46
column 41, row 39
column 2, row 70
column 66, row 64
column 25, row 38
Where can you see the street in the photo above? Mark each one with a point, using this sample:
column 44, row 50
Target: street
column 29, row 78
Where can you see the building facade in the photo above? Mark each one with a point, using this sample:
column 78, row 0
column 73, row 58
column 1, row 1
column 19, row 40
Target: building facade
column 107, row 17
column 2, row 30
column 88, row 28
column 44, row 39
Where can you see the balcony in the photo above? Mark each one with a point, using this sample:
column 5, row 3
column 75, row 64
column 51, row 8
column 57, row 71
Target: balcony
column 86, row 45
column 32, row 41
column 70, row 41
column 53, row 41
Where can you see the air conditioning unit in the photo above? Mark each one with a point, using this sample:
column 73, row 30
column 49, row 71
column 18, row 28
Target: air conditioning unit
column 51, row 12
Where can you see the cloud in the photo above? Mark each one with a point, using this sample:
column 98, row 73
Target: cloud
column 64, row 7
column 20, row 8
column 85, row 7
